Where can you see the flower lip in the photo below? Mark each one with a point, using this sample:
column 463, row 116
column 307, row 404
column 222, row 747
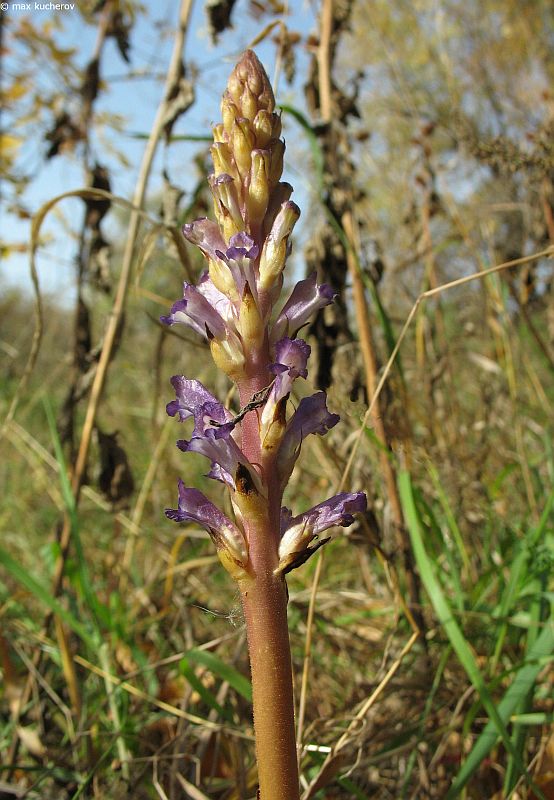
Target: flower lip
column 241, row 245
column 204, row 233
column 298, row 533
column 291, row 355
column 193, row 506
column 311, row 416
column 338, row 510
column 306, row 298
column 194, row 400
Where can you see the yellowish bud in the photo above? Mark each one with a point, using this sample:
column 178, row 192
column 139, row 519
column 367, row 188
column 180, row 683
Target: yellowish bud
column 235, row 85
column 274, row 251
column 228, row 114
column 276, row 168
column 218, row 132
column 263, row 128
column 230, row 227
column 225, row 193
column 258, row 190
column 227, row 358
column 222, row 278
column 221, row 157
column 242, row 142
column 248, row 104
column 266, row 126
column 250, row 75
column 250, row 325
column 274, row 428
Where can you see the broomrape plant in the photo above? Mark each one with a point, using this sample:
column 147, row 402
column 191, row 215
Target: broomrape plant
column 254, row 452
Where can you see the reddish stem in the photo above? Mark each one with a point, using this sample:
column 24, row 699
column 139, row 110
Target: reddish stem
column 264, row 601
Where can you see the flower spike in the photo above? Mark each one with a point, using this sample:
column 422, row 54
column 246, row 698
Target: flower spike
column 253, row 450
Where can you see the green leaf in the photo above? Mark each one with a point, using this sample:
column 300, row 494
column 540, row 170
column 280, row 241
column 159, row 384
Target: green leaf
column 224, row 671
column 204, row 693
column 71, row 508
column 520, row 686
column 453, row 631
column 41, row 593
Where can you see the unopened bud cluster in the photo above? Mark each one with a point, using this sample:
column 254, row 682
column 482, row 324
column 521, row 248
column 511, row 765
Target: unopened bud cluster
column 233, row 306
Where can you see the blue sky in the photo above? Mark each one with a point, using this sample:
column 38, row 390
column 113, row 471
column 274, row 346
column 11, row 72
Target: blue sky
column 136, row 100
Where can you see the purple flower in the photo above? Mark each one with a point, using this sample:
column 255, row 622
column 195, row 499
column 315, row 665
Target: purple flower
column 306, row 298
column 193, row 506
column 240, row 258
column 338, row 510
column 291, row 358
column 241, row 245
column 198, row 312
column 311, row 416
column 206, row 235
column 194, row 400
column 228, row 462
column 210, row 313
column 298, row 533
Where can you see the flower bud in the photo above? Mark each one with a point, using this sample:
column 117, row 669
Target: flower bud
column 222, row 160
column 229, row 113
column 234, row 86
column 274, row 429
column 242, row 143
column 258, row 190
column 274, row 252
column 250, row 325
column 279, row 195
column 218, row 132
column 266, row 127
column 276, row 168
column 222, row 279
column 227, row 357
column 226, row 199
column 248, row 104
column 249, row 80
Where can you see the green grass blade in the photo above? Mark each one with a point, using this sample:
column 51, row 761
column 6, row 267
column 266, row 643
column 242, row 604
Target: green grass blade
column 224, row 671
column 41, row 593
column 444, row 613
column 516, row 577
column 540, row 653
column 71, row 508
column 449, row 515
column 204, row 693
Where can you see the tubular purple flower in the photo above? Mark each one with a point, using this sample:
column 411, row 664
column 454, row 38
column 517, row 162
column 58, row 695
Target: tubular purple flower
column 205, row 234
column 194, row 400
column 298, row 533
column 291, row 359
column 311, row 416
column 193, row 506
column 226, row 457
column 196, row 311
column 306, row 298
column 338, row 510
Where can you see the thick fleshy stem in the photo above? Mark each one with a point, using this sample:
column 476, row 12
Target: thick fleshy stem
column 264, row 602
